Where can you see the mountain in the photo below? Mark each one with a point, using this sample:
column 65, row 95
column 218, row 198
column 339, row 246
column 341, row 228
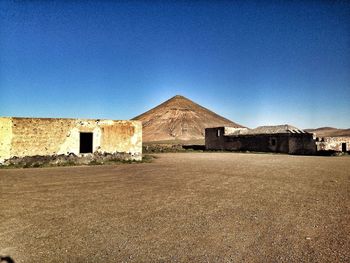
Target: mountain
column 179, row 119
column 329, row 132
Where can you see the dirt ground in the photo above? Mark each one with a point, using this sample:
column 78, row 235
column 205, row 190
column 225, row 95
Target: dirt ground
column 183, row 207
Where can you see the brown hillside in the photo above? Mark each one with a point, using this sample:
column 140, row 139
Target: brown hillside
column 179, row 119
column 329, row 132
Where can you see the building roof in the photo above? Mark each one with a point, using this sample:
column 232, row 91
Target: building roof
column 277, row 129
column 286, row 128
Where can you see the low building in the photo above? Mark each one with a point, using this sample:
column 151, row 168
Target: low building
column 22, row 137
column 279, row 139
column 335, row 144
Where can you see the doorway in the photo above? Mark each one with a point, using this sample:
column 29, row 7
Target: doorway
column 86, row 142
column 343, row 147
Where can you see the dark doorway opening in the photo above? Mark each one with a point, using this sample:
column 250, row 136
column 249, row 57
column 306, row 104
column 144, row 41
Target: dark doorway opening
column 86, row 142
column 273, row 142
column 343, row 147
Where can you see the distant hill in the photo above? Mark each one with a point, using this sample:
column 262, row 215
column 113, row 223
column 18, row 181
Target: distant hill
column 329, row 132
column 179, row 119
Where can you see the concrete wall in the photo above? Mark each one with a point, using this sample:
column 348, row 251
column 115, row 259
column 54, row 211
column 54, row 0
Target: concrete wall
column 45, row 136
column 332, row 143
column 215, row 139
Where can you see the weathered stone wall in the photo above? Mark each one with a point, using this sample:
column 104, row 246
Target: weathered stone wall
column 332, row 143
column 303, row 143
column 124, row 137
column 5, row 137
column 258, row 143
column 39, row 136
column 46, row 136
column 215, row 139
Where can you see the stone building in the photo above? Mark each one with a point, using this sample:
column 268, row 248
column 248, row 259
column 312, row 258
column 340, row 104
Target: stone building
column 279, row 139
column 335, row 144
column 23, row 137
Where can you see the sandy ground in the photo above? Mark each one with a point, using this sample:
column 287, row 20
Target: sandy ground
column 183, row 207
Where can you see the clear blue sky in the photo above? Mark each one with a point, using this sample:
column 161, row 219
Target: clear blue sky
column 254, row 62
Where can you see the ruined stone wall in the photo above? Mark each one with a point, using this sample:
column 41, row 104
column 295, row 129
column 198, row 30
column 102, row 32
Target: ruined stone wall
column 332, row 143
column 279, row 142
column 45, row 136
column 214, row 138
column 302, row 144
column 258, row 143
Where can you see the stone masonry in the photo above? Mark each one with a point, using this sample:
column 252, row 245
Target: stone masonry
column 333, row 143
column 23, row 137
